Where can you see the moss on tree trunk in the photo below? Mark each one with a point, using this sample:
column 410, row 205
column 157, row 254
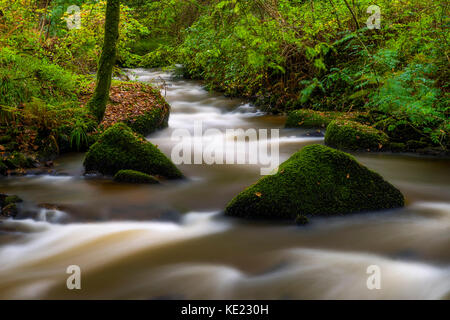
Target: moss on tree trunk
column 99, row 100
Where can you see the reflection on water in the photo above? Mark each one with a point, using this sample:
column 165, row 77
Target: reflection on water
column 171, row 241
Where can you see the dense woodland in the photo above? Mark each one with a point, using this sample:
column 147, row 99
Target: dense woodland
column 281, row 55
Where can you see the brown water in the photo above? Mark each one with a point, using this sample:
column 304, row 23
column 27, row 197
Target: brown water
column 171, row 241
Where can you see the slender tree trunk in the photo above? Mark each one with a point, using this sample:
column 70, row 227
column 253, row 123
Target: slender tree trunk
column 353, row 14
column 97, row 104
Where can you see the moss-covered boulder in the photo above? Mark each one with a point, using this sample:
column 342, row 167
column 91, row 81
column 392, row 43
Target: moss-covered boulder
column 119, row 148
column 132, row 176
column 351, row 135
column 138, row 105
column 316, row 180
column 17, row 160
column 307, row 118
column 150, row 121
column 8, row 205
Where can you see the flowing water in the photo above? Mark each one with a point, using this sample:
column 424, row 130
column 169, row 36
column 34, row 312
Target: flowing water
column 171, row 240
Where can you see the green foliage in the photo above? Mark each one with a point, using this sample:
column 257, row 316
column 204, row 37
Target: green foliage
column 316, row 180
column 78, row 135
column 286, row 55
column 23, row 77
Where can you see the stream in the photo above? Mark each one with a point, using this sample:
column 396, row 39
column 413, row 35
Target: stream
column 171, row 241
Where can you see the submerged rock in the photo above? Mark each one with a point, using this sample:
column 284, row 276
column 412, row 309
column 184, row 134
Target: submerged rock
column 351, row 135
column 120, row 148
column 131, row 176
column 316, row 180
column 8, row 205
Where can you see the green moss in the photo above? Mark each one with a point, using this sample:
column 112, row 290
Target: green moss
column 301, row 220
column 8, row 205
column 120, row 148
column 12, row 199
column 150, row 121
column 307, row 118
column 131, row 176
column 398, row 131
column 18, row 160
column 99, row 99
column 350, row 135
column 316, row 180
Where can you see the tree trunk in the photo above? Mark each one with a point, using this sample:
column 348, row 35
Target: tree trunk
column 353, row 14
column 97, row 104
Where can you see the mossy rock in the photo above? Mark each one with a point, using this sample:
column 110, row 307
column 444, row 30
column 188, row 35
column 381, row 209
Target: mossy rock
column 131, row 176
column 301, row 220
column 150, row 121
column 398, row 131
column 351, row 135
column 8, row 205
column 17, row 160
column 120, row 148
column 12, row 199
column 316, row 180
column 307, row 118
